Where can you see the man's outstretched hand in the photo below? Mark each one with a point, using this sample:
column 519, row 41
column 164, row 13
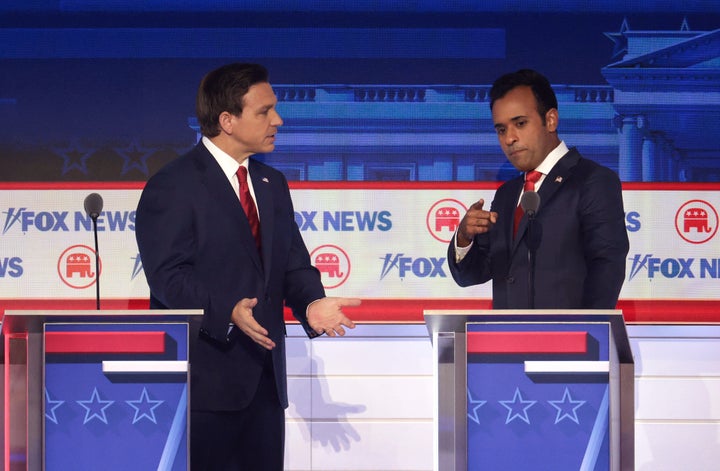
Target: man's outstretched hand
column 326, row 316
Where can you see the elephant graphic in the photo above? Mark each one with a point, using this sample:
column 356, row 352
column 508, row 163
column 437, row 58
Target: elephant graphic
column 79, row 263
column 447, row 216
column 696, row 218
column 328, row 263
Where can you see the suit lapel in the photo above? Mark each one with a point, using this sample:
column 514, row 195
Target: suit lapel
column 557, row 176
column 221, row 192
column 552, row 183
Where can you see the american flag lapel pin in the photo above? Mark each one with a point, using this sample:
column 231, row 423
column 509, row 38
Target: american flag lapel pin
column 558, row 179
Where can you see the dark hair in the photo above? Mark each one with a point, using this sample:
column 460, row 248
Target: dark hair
column 224, row 89
column 544, row 94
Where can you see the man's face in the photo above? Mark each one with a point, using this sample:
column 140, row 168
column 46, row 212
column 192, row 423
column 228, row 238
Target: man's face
column 523, row 137
column 253, row 131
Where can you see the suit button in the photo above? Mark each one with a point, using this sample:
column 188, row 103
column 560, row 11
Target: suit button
column 510, row 279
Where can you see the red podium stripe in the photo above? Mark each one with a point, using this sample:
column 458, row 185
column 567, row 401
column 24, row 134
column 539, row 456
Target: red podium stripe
column 526, row 342
column 105, row 342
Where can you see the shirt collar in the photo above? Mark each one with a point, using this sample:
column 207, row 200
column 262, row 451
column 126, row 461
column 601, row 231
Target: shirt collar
column 552, row 158
column 228, row 165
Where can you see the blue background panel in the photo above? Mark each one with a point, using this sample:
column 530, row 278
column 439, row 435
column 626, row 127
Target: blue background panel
column 516, row 422
column 115, row 421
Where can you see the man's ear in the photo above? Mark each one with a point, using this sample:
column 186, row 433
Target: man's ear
column 225, row 122
column 551, row 119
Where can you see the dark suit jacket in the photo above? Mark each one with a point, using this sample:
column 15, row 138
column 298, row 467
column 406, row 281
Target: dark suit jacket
column 580, row 262
column 198, row 252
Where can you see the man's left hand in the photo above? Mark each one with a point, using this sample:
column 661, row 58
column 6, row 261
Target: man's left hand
column 325, row 315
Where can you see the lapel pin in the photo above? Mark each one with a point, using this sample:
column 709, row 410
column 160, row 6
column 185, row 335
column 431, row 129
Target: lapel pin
column 265, row 180
column 558, row 179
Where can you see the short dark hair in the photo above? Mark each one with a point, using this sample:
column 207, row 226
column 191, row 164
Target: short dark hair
column 540, row 86
column 224, row 89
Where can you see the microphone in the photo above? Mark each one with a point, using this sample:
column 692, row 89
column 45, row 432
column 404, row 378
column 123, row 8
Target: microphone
column 530, row 202
column 93, row 205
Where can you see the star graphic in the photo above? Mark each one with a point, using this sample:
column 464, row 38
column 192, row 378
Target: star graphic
column 74, row 157
column 134, row 157
column 567, row 408
column 146, row 405
column 50, row 407
column 517, row 408
column 95, row 408
column 137, row 267
column 476, row 404
column 619, row 39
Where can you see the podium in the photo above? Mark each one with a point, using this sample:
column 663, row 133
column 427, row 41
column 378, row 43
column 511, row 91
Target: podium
column 532, row 389
column 96, row 389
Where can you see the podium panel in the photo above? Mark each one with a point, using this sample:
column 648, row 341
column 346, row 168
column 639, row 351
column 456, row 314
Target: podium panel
column 521, row 390
column 97, row 389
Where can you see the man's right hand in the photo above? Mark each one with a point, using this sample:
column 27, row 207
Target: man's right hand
column 476, row 221
column 242, row 317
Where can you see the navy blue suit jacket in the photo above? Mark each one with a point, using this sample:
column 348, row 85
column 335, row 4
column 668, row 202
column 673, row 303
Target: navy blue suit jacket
column 580, row 262
column 198, row 252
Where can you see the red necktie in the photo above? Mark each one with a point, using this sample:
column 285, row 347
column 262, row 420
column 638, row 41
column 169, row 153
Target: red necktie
column 530, row 179
column 248, row 204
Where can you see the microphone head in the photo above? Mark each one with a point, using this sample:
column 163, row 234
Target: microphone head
column 530, row 202
column 93, row 205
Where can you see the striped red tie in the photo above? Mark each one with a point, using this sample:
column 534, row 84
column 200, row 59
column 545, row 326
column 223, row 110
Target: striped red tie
column 248, row 204
column 530, row 179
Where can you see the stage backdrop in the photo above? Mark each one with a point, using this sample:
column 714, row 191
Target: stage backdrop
column 387, row 137
column 383, row 242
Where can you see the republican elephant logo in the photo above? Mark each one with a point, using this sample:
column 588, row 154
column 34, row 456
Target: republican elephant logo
column 333, row 263
column 328, row 263
column 696, row 221
column 448, row 217
column 78, row 264
column 696, row 218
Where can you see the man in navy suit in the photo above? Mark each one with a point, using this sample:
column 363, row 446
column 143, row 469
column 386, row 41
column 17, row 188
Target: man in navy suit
column 198, row 251
column 578, row 232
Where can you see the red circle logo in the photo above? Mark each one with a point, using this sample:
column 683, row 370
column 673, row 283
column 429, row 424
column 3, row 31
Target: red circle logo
column 696, row 221
column 333, row 264
column 76, row 267
column 443, row 218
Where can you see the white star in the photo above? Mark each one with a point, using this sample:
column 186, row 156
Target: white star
column 147, row 405
column 476, row 404
column 514, row 411
column 563, row 411
column 95, row 408
column 50, row 407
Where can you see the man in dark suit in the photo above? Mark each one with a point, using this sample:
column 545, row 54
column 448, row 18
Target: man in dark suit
column 578, row 229
column 198, row 250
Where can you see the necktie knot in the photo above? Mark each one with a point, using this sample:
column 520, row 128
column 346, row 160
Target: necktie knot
column 531, row 178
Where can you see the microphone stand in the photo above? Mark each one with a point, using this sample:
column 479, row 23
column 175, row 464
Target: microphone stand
column 532, row 243
column 94, row 218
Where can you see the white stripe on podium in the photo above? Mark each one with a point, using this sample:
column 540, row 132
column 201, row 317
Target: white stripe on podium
column 569, row 367
column 145, row 366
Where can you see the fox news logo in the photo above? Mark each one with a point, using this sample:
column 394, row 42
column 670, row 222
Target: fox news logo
column 344, row 221
column 674, row 267
column 65, row 221
column 11, row 266
column 420, row 267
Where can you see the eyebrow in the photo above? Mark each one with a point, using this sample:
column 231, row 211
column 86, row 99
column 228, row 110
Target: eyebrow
column 513, row 120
